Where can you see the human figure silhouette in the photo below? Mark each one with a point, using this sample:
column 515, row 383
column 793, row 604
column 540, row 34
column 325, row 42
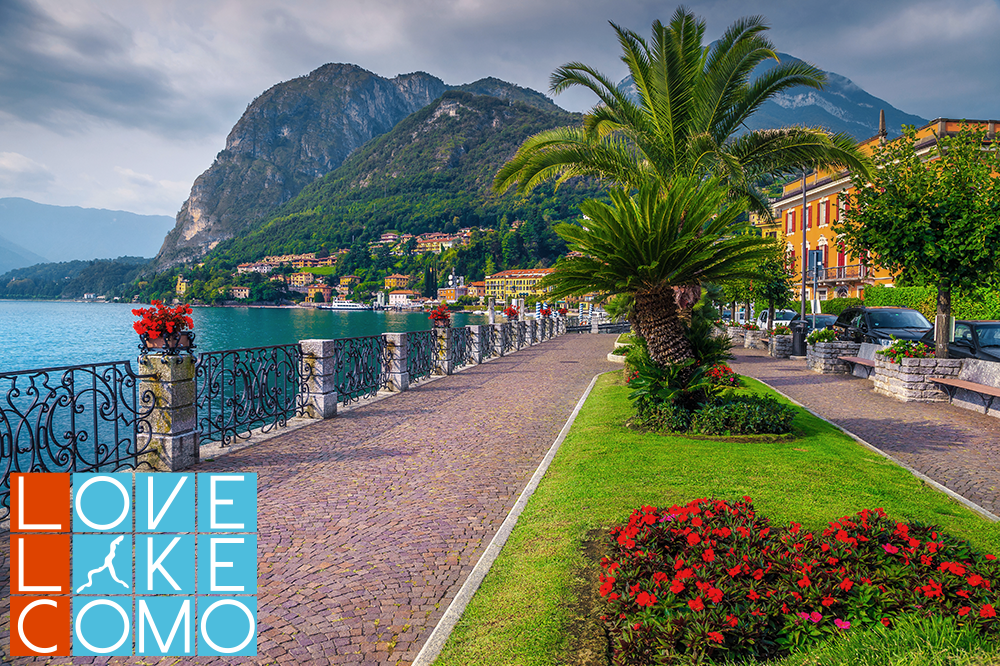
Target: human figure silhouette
column 108, row 564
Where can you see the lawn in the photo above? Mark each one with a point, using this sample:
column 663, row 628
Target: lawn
column 537, row 605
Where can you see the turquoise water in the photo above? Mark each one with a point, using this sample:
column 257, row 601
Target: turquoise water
column 51, row 334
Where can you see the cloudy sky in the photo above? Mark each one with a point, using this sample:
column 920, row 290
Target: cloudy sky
column 122, row 103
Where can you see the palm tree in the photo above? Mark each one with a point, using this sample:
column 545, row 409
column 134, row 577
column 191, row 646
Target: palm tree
column 689, row 102
column 648, row 243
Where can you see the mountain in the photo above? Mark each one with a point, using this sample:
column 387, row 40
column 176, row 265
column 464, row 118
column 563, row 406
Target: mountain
column 296, row 132
column 432, row 172
column 13, row 256
column 67, row 233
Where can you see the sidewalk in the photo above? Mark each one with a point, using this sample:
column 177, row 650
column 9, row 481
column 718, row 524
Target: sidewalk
column 370, row 522
column 956, row 447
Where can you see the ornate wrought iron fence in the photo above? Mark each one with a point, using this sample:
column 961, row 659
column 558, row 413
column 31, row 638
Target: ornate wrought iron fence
column 614, row 327
column 421, row 348
column 578, row 329
column 242, row 390
column 461, row 347
column 508, row 337
column 81, row 418
column 362, row 367
column 488, row 341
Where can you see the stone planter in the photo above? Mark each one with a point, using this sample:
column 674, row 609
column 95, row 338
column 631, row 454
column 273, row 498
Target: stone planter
column 909, row 380
column 822, row 356
column 780, row 346
column 753, row 339
column 735, row 334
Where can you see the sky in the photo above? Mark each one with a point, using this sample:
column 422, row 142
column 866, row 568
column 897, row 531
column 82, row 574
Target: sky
column 121, row 104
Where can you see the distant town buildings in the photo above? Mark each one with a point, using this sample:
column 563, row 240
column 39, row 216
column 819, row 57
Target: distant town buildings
column 402, row 298
column 516, row 283
column 240, row 293
column 396, row 281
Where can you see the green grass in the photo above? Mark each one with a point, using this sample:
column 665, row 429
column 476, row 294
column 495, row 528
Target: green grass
column 625, row 339
column 528, row 609
column 320, row 270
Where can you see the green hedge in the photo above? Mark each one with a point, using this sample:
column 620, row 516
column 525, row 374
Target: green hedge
column 979, row 304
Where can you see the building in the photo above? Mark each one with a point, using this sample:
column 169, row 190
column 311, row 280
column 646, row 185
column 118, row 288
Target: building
column 301, row 279
column 436, row 242
column 401, row 298
column 349, row 281
column 840, row 274
column 516, row 283
column 325, row 290
column 451, row 294
column 477, row 289
column 326, row 261
column 258, row 267
column 396, row 281
column 305, row 262
column 240, row 293
column 182, row 286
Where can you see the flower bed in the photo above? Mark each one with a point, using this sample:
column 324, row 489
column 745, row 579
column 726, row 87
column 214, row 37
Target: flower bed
column 714, row 579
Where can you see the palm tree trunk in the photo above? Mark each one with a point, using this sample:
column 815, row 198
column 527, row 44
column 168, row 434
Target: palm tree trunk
column 656, row 318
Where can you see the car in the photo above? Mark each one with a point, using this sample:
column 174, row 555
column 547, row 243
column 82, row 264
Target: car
column 973, row 339
column 818, row 321
column 879, row 325
column 781, row 318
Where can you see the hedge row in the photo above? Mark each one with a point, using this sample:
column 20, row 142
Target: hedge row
column 979, row 304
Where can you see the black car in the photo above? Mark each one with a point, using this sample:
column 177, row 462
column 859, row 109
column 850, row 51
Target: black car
column 818, row 321
column 973, row 339
column 879, row 325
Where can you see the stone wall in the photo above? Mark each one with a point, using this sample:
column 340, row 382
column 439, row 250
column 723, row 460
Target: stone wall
column 735, row 334
column 909, row 380
column 754, row 340
column 780, row 346
column 822, row 356
column 980, row 372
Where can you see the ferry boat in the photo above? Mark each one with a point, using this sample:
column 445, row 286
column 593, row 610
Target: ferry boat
column 344, row 305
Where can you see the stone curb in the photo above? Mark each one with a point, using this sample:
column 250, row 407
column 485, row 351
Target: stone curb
column 436, row 641
column 969, row 504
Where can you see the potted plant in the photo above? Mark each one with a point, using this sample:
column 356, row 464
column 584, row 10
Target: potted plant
column 164, row 330
column 511, row 313
column 562, row 312
column 546, row 312
column 440, row 316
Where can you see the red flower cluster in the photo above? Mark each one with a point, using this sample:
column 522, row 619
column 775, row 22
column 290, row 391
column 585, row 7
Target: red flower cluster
column 440, row 313
column 546, row 312
column 744, row 589
column 154, row 322
column 510, row 312
column 901, row 349
column 562, row 311
column 721, row 374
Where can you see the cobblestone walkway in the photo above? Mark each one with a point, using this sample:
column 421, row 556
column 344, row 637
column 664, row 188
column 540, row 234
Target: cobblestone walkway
column 956, row 447
column 370, row 522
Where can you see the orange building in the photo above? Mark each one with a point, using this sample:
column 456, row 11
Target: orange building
column 841, row 274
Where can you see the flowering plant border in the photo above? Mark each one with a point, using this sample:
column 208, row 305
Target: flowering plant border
column 750, row 327
column 900, row 349
column 821, row 335
column 781, row 329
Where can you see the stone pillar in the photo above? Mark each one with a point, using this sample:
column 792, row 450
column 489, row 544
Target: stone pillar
column 593, row 322
column 478, row 352
column 319, row 367
column 173, row 421
column 533, row 337
column 499, row 329
column 520, row 309
column 396, row 352
column 491, row 312
column 443, row 361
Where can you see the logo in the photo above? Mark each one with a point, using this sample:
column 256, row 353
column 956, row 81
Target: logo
column 120, row 564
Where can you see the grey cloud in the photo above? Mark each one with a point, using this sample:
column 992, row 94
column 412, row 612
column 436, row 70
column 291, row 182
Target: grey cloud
column 19, row 173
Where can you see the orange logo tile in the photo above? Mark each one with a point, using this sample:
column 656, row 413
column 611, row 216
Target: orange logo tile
column 40, row 626
column 40, row 503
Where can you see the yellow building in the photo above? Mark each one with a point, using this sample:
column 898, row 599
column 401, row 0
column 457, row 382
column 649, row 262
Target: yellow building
column 323, row 289
column 396, row 281
column 516, row 283
column 182, row 286
column 349, row 281
column 301, row 279
column 842, row 275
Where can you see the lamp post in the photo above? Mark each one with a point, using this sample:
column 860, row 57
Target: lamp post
column 805, row 209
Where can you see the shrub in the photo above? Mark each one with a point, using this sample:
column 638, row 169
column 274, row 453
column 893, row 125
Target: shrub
column 666, row 416
column 835, row 306
column 821, row 335
column 750, row 327
column 901, row 349
column 714, row 579
column 743, row 415
column 781, row 329
column 721, row 374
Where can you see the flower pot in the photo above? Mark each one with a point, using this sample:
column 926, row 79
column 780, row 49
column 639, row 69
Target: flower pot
column 168, row 344
column 439, row 323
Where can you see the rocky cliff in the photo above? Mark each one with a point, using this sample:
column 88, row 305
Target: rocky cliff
column 292, row 134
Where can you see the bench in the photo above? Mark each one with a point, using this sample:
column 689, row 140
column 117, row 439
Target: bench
column 866, row 363
column 985, row 392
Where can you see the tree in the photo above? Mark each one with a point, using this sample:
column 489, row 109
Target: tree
column 773, row 282
column 936, row 215
column 691, row 100
column 651, row 242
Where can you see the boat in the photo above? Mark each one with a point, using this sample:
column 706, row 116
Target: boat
column 344, row 305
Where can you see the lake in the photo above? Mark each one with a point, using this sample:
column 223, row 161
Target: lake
column 45, row 334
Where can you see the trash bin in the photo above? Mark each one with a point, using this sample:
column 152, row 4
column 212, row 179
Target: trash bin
column 798, row 337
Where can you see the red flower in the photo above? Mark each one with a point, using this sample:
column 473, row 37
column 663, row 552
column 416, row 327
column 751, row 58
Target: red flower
column 645, row 599
column 753, row 596
column 731, row 620
column 609, row 584
column 987, row 611
column 963, row 611
column 677, row 587
column 715, row 636
column 828, row 601
column 975, row 580
column 696, row 604
column 708, row 555
column 693, row 539
column 715, row 595
column 804, row 582
column 885, row 621
column 846, row 585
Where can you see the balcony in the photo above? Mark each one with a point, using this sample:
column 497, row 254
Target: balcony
column 841, row 273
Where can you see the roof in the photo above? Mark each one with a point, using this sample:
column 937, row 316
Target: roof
column 521, row 272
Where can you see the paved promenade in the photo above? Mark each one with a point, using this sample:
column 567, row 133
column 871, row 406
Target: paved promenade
column 956, row 447
column 370, row 522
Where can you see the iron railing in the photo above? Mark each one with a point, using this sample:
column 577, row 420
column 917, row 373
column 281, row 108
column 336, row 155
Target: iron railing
column 461, row 347
column 615, row 327
column 362, row 367
column 578, row 329
column 522, row 334
column 242, row 390
column 854, row 272
column 421, row 348
column 508, row 337
column 81, row 418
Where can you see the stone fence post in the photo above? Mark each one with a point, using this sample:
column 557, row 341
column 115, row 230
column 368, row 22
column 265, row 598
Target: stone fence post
column 173, row 421
column 396, row 351
column 498, row 329
column 319, row 367
column 443, row 361
column 533, row 338
column 478, row 351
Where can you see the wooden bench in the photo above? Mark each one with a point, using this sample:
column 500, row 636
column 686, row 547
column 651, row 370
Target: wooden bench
column 866, row 363
column 985, row 392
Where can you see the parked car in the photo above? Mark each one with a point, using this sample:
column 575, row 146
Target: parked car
column 879, row 325
column 818, row 321
column 973, row 339
column 781, row 318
